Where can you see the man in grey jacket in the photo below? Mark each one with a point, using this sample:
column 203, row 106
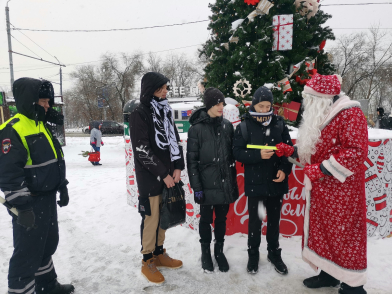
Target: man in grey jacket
column 95, row 139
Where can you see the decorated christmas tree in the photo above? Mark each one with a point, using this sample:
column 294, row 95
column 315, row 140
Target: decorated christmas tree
column 259, row 42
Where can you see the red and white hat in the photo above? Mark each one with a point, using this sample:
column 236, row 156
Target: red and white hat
column 324, row 86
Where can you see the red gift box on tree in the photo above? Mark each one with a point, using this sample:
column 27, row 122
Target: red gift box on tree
column 288, row 110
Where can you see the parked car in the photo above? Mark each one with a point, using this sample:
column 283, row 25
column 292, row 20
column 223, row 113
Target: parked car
column 86, row 130
column 108, row 127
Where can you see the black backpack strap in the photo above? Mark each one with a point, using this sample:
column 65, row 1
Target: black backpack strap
column 244, row 130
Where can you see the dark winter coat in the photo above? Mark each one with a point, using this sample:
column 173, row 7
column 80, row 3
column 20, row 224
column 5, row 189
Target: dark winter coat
column 210, row 161
column 260, row 173
column 384, row 122
column 152, row 164
column 30, row 166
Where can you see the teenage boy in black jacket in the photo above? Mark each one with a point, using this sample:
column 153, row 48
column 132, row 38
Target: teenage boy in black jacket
column 266, row 175
column 158, row 161
column 212, row 173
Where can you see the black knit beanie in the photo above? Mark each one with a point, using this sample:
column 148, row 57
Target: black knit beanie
column 46, row 91
column 212, row 97
column 262, row 94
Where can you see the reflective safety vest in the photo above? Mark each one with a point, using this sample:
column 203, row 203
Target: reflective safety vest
column 45, row 168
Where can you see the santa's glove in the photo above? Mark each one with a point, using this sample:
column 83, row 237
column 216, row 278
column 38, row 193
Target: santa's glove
column 64, row 198
column 199, row 197
column 26, row 218
column 284, row 150
column 313, row 172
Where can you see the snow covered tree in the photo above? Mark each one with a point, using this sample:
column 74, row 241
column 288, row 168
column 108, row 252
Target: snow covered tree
column 241, row 46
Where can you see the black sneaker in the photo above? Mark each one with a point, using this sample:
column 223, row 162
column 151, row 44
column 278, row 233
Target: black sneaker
column 320, row 281
column 274, row 257
column 346, row 289
column 253, row 261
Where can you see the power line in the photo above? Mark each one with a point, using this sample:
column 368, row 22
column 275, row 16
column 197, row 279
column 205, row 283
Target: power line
column 25, row 46
column 33, row 41
column 71, row 64
column 354, row 4
column 110, row 30
column 30, row 69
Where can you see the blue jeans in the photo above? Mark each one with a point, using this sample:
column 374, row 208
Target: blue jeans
column 96, row 149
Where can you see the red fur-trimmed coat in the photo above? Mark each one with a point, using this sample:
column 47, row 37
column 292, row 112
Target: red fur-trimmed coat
column 335, row 220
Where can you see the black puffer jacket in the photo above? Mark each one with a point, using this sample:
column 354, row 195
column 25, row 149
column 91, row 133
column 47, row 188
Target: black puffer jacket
column 152, row 164
column 260, row 173
column 211, row 166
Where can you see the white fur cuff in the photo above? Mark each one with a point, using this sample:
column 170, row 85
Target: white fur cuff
column 336, row 169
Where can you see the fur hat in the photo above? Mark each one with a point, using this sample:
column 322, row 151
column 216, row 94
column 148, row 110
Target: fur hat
column 324, row 86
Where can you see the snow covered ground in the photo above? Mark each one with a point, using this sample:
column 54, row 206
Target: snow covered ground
column 99, row 242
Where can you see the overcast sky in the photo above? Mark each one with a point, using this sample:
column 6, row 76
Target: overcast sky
column 71, row 48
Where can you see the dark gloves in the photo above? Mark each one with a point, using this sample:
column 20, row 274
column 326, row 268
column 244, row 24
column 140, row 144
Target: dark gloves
column 54, row 117
column 199, row 197
column 26, row 218
column 64, row 198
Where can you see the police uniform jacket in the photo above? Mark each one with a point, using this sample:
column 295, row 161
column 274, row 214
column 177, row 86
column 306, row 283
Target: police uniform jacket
column 31, row 158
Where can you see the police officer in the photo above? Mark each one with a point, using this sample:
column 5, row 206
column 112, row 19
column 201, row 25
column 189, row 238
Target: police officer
column 32, row 171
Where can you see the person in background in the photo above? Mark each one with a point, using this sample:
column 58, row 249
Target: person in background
column 266, row 175
column 159, row 161
column 32, row 171
column 212, row 174
column 95, row 139
column 382, row 119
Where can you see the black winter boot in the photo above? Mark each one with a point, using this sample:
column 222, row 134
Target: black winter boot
column 206, row 259
column 220, row 257
column 56, row 288
column 253, row 261
column 346, row 289
column 322, row 280
column 274, row 257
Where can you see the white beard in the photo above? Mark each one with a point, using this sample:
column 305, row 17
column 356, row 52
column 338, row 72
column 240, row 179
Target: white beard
column 316, row 110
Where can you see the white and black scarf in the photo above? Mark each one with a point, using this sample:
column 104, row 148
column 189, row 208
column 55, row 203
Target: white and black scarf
column 165, row 136
column 264, row 118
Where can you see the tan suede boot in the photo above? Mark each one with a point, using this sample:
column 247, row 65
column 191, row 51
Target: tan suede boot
column 164, row 260
column 150, row 271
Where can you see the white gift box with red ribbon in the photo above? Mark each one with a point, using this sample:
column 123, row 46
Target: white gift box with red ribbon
column 283, row 32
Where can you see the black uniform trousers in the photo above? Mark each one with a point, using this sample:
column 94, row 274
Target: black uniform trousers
column 206, row 219
column 31, row 266
column 273, row 206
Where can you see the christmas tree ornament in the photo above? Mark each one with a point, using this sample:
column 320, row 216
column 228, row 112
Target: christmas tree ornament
column 283, row 32
column 285, row 85
column 226, row 45
column 234, row 39
column 307, row 7
column 231, row 113
column 251, row 2
column 247, row 103
column 262, row 8
column 231, row 101
column 322, row 45
column 242, row 88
